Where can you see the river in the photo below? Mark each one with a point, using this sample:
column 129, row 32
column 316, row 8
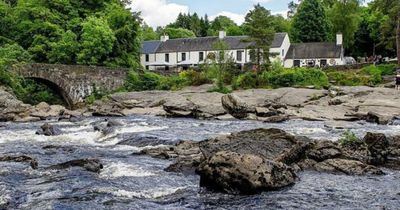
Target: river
column 139, row 182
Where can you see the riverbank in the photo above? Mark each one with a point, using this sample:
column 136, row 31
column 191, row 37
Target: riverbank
column 378, row 105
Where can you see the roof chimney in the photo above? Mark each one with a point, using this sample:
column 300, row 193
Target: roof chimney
column 339, row 39
column 164, row 38
column 222, row 34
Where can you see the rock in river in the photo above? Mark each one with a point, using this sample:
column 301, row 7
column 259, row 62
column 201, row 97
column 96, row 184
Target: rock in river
column 48, row 130
column 348, row 167
column 235, row 106
column 93, row 165
column 21, row 158
column 235, row 173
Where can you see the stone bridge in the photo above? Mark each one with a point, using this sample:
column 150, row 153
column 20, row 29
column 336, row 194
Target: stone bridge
column 74, row 83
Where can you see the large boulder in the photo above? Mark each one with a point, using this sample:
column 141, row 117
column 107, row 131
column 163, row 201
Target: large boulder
column 324, row 150
column 179, row 106
column 266, row 143
column 235, row 106
column 11, row 108
column 347, row 167
column 378, row 147
column 235, row 173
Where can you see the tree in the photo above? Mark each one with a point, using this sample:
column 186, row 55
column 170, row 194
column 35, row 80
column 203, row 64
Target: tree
column 220, row 23
column 64, row 51
column 223, row 62
column 176, row 33
column 148, row 33
column 390, row 28
column 259, row 26
column 97, row 41
column 310, row 23
column 344, row 16
column 204, row 26
column 281, row 24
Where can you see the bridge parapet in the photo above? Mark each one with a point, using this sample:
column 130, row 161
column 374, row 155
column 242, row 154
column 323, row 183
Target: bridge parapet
column 75, row 82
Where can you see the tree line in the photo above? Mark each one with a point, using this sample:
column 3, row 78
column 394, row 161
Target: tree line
column 367, row 29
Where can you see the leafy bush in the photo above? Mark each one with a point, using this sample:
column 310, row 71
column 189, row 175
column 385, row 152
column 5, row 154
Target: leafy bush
column 298, row 77
column 350, row 139
column 223, row 89
column 144, row 81
column 348, row 78
column 195, row 78
column 246, row 81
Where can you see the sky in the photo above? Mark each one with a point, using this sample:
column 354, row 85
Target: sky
column 162, row 12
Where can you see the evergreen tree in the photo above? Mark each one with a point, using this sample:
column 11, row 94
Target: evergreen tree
column 310, row 23
column 259, row 26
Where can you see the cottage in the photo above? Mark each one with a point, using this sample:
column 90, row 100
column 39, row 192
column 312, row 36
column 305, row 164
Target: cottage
column 317, row 54
column 185, row 53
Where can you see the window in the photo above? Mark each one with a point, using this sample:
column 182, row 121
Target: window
column 183, row 56
column 167, row 57
column 283, row 52
column 147, row 67
column 296, row 63
column 324, row 62
column 239, row 55
column 201, row 56
column 147, row 57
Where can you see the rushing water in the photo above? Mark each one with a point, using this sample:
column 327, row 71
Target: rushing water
column 139, row 182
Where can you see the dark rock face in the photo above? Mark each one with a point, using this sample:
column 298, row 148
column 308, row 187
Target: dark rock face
column 378, row 146
column 295, row 154
column 48, row 130
column 142, row 141
column 380, row 119
column 235, row 106
column 266, row 143
column 22, row 158
column 114, row 123
column 324, row 150
column 93, row 165
column 348, row 167
column 235, row 173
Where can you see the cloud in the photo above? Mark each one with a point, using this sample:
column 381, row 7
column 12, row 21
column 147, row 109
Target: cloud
column 158, row 12
column 237, row 18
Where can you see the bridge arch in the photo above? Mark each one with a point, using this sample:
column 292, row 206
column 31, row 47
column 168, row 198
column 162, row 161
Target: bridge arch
column 56, row 88
column 74, row 82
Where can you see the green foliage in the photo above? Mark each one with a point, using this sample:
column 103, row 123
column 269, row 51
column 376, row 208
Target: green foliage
column 297, row 77
column 349, row 139
column 148, row 33
column 195, row 78
column 35, row 92
column 259, row 26
column 247, row 80
column 176, row 33
column 310, row 23
column 97, row 41
column 349, row 78
column 370, row 75
column 101, row 32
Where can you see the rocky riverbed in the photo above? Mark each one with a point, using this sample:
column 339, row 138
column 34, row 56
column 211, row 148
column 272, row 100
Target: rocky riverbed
column 146, row 162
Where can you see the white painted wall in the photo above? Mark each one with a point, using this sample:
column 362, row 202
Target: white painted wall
column 289, row 63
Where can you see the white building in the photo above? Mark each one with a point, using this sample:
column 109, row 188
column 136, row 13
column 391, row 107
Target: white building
column 190, row 52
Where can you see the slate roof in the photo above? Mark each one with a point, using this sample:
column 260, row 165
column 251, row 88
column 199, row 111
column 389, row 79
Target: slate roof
column 202, row 44
column 314, row 50
column 150, row 47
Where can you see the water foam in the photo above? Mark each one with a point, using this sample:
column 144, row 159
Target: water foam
column 147, row 194
column 119, row 169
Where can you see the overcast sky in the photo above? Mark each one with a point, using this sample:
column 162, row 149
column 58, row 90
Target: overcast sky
column 161, row 12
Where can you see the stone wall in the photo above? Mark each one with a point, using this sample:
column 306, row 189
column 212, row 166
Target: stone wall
column 75, row 82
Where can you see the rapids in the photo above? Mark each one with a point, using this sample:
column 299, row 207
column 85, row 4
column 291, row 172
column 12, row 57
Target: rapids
column 139, row 182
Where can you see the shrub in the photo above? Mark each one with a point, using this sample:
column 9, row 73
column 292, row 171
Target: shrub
column 246, row 81
column 298, row 77
column 350, row 78
column 140, row 82
column 350, row 139
column 195, row 78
